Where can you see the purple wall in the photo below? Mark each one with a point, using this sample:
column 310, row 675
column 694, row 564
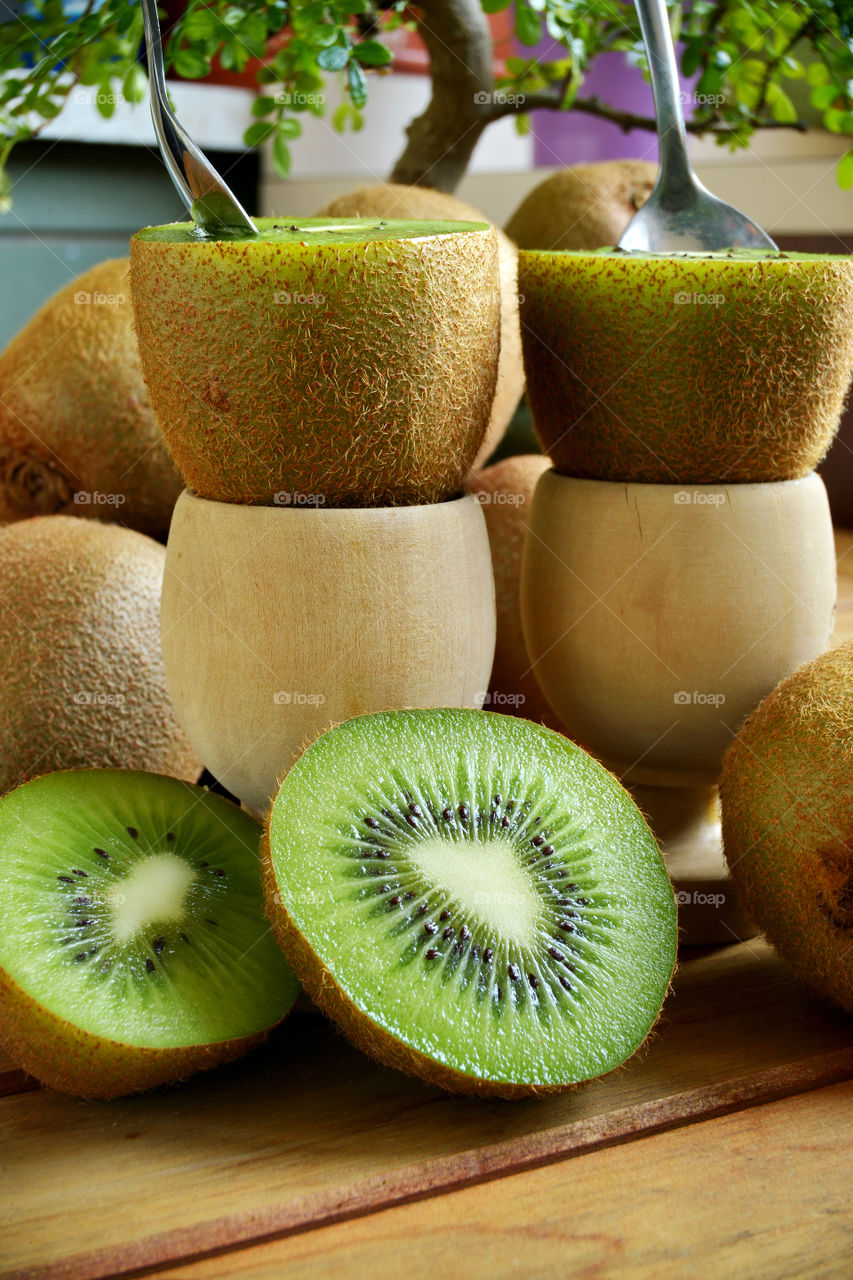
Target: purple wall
column 566, row 138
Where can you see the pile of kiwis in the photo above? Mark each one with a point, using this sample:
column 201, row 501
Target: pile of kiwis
column 519, row 919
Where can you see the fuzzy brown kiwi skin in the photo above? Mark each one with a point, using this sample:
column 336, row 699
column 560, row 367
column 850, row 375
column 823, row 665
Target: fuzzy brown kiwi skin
column 71, row 1060
column 74, row 412
column 319, row 984
column 82, row 615
column 391, row 200
column 395, row 418
column 787, row 810
column 746, row 389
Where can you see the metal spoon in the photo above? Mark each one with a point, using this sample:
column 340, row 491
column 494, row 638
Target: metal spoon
column 680, row 215
column 212, row 206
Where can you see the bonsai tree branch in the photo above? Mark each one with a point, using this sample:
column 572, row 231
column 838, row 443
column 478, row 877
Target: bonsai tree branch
column 626, row 120
column 441, row 140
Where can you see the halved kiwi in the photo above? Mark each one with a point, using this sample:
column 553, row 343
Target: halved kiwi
column 134, row 948
column 472, row 898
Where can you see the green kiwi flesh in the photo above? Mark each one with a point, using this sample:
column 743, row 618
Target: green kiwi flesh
column 134, row 948
column 472, row 898
column 329, row 362
column 686, row 368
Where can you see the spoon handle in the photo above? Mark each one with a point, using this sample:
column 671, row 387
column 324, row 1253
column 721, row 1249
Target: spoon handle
column 211, row 203
column 676, row 176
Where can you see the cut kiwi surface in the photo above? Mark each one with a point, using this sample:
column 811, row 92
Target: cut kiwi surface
column 134, row 948
column 472, row 898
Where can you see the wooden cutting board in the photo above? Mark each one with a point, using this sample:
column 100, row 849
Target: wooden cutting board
column 308, row 1132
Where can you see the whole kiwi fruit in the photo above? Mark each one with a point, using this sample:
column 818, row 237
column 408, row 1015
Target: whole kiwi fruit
column 586, row 206
column 77, row 433
column 81, row 668
column 787, row 805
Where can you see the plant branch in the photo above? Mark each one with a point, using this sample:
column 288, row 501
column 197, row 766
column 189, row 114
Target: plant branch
column 626, row 120
column 441, row 140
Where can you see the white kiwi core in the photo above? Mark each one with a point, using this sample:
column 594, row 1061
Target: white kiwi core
column 468, row 872
column 154, row 893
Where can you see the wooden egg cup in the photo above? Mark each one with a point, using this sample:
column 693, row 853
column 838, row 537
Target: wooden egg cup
column 656, row 617
column 278, row 622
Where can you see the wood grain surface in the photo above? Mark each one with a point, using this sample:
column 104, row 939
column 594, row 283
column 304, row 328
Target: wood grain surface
column 761, row 1194
column 307, row 1131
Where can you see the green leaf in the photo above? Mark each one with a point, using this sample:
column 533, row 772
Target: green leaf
column 253, row 33
column 824, row 96
column 340, row 116
column 288, row 128
column 495, row 6
column 817, row 73
column 845, row 170
column 335, row 58
column 263, row 105
column 281, row 154
column 134, row 87
column 528, row 25
column 370, row 53
column 258, row 133
column 105, row 100
column 201, row 24
column 781, row 106
column 691, row 58
column 357, row 85
column 190, row 64
column 5, row 191
column 323, row 36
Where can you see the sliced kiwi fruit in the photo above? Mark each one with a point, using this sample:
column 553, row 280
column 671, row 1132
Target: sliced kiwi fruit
column 134, row 949
column 326, row 361
column 698, row 368
column 472, row 898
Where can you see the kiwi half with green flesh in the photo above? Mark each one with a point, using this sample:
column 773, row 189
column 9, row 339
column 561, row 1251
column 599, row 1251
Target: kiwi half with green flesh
column 347, row 362
column 134, row 949
column 472, row 898
column 694, row 368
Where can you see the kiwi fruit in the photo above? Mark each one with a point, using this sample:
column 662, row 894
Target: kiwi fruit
column 787, row 809
column 393, row 200
column 586, row 206
column 347, row 362
column 77, row 433
column 505, row 491
column 81, row 668
column 134, row 949
column 472, row 898
column 689, row 368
